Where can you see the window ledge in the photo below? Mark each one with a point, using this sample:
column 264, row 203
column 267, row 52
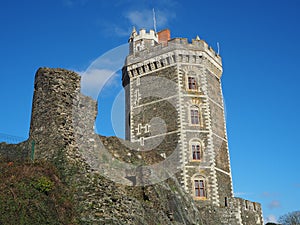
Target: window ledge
column 196, row 160
column 200, row 198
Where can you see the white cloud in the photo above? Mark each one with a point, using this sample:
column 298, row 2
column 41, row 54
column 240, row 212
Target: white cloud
column 103, row 71
column 139, row 15
column 240, row 194
column 269, row 194
column 121, row 31
column 274, row 204
column 270, row 218
column 144, row 18
column 140, row 18
column 93, row 81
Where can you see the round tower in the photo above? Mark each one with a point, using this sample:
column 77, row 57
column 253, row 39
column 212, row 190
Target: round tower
column 56, row 91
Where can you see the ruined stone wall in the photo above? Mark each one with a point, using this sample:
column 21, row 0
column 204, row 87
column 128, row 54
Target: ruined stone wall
column 251, row 212
column 56, row 91
column 62, row 125
column 15, row 152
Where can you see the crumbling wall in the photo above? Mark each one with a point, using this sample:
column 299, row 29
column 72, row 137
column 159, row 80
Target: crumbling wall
column 62, row 127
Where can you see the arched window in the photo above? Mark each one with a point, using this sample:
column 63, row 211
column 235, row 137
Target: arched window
column 195, row 116
column 199, row 187
column 196, row 150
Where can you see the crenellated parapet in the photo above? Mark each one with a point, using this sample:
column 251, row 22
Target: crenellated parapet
column 187, row 102
column 156, row 52
column 251, row 212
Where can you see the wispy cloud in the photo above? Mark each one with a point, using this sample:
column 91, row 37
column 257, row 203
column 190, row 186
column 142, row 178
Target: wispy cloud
column 71, row 3
column 266, row 194
column 93, row 81
column 240, row 194
column 269, row 194
column 274, row 204
column 270, row 218
column 144, row 18
column 141, row 16
column 103, row 71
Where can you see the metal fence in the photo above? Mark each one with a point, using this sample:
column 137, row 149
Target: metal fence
column 10, row 139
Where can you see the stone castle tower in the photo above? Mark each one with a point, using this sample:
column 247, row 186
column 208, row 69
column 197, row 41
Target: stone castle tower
column 174, row 103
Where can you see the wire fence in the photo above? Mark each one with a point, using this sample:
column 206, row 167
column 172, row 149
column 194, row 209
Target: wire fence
column 10, row 139
column 13, row 148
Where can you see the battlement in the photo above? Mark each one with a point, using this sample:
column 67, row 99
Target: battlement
column 142, row 34
column 247, row 205
column 141, row 49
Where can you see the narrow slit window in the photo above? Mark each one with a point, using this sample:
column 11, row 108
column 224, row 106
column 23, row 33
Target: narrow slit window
column 142, row 141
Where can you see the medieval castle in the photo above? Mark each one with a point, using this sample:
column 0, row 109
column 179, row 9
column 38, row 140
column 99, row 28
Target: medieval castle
column 174, row 120
column 184, row 82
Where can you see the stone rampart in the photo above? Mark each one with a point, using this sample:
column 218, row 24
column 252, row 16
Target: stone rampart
column 62, row 125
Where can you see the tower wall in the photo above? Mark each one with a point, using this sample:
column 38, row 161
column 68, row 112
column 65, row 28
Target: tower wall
column 55, row 91
column 61, row 116
column 173, row 63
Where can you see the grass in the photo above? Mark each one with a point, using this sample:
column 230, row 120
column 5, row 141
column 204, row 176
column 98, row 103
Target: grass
column 32, row 193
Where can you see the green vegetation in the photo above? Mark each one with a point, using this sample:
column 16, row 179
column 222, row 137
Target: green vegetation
column 43, row 184
column 32, row 193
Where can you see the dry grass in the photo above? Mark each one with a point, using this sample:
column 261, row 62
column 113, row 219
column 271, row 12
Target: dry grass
column 22, row 203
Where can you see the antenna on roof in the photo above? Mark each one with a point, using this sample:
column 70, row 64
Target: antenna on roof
column 154, row 20
column 218, row 45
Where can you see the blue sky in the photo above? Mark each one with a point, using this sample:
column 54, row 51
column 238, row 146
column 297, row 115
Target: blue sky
column 259, row 45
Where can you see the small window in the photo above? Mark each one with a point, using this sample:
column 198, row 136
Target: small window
column 142, row 141
column 196, row 151
column 226, row 202
column 147, row 128
column 192, row 84
column 200, row 188
column 195, row 116
column 139, row 129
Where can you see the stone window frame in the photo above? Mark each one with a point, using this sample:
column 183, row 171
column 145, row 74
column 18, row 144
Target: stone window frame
column 192, row 83
column 147, row 128
column 142, row 141
column 200, row 179
column 192, row 118
column 196, row 142
column 192, row 75
column 139, row 129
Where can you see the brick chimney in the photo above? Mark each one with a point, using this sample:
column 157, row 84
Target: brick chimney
column 164, row 36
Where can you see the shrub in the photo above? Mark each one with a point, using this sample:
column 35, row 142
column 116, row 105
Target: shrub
column 43, row 184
